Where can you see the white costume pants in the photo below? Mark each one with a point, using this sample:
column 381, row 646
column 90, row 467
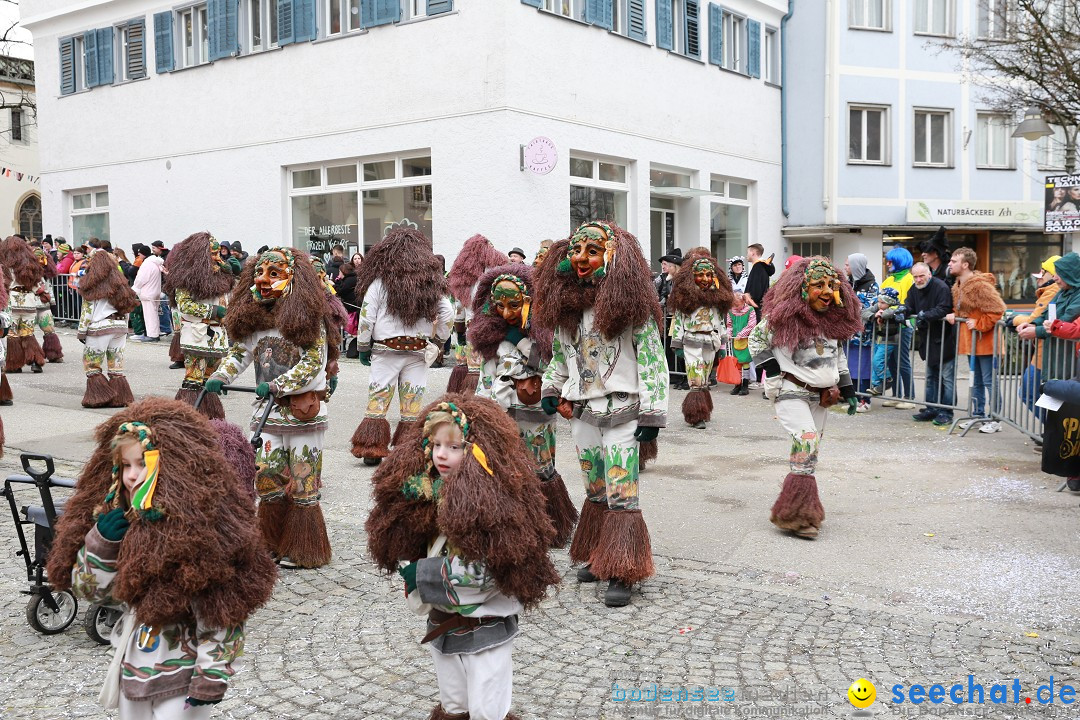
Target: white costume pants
column 104, row 353
column 404, row 371
column 609, row 460
column 480, row 684
column 805, row 422
column 168, row 709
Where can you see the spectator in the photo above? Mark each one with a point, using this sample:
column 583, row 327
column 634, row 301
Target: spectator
column 886, row 318
column 126, row 267
column 792, row 260
column 356, row 261
column 138, row 255
column 346, row 288
column 978, row 305
column 226, row 255
column 148, row 287
column 1048, row 289
column 737, row 274
column 156, row 247
column 757, row 280
column 47, row 246
column 928, row 302
column 238, row 252
column 516, row 255
column 1057, row 361
column 337, row 259
column 860, row 351
column 935, row 253
column 64, row 257
column 669, row 265
column 898, row 262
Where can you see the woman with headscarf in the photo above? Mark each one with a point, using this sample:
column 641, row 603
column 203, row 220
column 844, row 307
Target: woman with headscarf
column 860, row 349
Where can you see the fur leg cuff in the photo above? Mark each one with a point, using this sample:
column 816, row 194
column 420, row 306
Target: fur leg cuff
column 210, row 407
column 403, row 427
column 468, row 385
column 238, row 453
column 54, row 351
column 304, row 539
column 695, row 407
column 271, row 517
column 457, row 377
column 16, row 356
column 588, row 531
column 798, row 506
column 5, row 388
column 32, row 350
column 624, row 551
column 439, row 714
column 98, row 392
column 122, row 396
column 371, row 439
column 560, row 509
column 2, row 438
column 175, row 353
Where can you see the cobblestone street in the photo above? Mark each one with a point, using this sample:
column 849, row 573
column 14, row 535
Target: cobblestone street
column 941, row 557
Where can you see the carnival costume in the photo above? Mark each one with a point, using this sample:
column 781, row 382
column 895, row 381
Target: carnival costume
column 515, row 352
column 477, row 256
column 27, row 291
column 6, row 398
column 609, row 377
column 183, row 555
column 50, row 341
column 103, row 325
column 404, row 311
column 808, row 317
column 198, row 283
column 280, row 320
column 471, row 545
column 699, row 301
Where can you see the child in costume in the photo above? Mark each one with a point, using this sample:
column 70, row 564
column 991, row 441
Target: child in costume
column 107, row 300
column 50, row 341
column 609, row 377
column 887, row 319
column 809, row 316
column 459, row 515
column 7, row 398
column 280, row 321
column 25, row 284
column 159, row 523
column 699, row 300
column 477, row 256
column 741, row 321
column 403, row 312
column 515, row 352
column 198, row 285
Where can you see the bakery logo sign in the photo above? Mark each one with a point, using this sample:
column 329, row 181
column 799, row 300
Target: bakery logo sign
column 1062, row 204
column 973, row 212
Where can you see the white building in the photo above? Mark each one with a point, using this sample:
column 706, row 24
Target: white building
column 20, row 199
column 321, row 121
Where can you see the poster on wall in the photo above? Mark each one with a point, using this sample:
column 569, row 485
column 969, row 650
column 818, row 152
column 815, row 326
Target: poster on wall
column 1062, row 204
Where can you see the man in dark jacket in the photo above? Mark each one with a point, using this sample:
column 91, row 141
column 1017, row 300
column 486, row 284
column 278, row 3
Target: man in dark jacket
column 669, row 265
column 757, row 281
column 928, row 302
column 333, row 265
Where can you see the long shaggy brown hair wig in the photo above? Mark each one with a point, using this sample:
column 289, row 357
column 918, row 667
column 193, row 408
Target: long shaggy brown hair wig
column 686, row 296
column 104, row 281
column 477, row 256
column 190, row 268
column 410, row 272
column 295, row 315
column 49, row 268
column 3, row 287
column 488, row 329
column 18, row 259
column 205, row 553
column 794, row 324
column 624, row 298
column 500, row 519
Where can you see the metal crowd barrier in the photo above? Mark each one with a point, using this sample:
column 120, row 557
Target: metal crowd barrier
column 67, row 303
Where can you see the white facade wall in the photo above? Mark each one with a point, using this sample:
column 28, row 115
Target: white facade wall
column 208, row 147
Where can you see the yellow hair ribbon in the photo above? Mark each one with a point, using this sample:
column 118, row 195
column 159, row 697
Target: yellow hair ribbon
column 144, row 496
column 716, row 282
column 481, row 457
column 836, row 298
column 281, row 284
column 525, row 312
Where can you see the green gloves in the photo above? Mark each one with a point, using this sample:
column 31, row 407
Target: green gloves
column 333, row 384
column 408, row 573
column 195, row 702
column 365, row 357
column 678, row 352
column 514, row 335
column 645, row 434
column 853, row 404
column 213, row 385
column 550, row 404
column 219, row 311
column 263, row 390
column 112, row 525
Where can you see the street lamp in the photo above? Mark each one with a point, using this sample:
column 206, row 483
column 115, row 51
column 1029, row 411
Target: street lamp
column 1034, row 127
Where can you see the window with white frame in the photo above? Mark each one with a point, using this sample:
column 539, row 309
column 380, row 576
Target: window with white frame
column 260, row 24
column 17, row 125
column 599, row 188
column 932, row 135
column 193, row 26
column 994, row 143
column 729, row 229
column 868, row 134
column 770, row 56
column 994, row 17
column 734, row 42
column 812, row 248
column 1051, row 150
column 567, row 8
column 89, row 212
column 342, row 16
column 933, row 17
column 413, row 9
column 130, row 47
column 869, row 14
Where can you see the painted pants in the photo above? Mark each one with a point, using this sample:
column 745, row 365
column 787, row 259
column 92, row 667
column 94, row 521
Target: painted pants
column 150, row 318
column 24, row 322
column 479, row 684
column 609, row 461
column 804, row 419
column 405, row 371
column 289, row 465
column 167, row 709
column 699, row 362
column 197, row 369
column 539, row 437
column 45, row 321
column 104, row 352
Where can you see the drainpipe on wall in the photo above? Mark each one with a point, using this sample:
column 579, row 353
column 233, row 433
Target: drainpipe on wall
column 829, row 111
column 783, row 109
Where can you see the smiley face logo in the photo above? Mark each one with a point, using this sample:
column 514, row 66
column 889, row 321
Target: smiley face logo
column 862, row 693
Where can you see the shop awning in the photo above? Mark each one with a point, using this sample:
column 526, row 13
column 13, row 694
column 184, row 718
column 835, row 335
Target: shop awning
column 679, row 193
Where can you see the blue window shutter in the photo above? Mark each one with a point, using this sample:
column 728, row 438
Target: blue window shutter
column 90, row 51
column 534, row 3
column 753, row 48
column 222, row 28
column 367, row 13
column 665, row 31
column 635, row 17
column 437, row 7
column 105, row 55
column 599, row 12
column 692, row 28
column 304, row 20
column 285, row 29
column 67, row 66
column 716, row 35
column 214, row 25
column 379, row 12
column 163, row 41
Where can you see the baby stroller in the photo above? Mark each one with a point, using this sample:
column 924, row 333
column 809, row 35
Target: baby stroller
column 48, row 611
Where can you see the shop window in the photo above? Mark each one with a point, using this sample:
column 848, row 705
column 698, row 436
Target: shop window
column 89, row 213
column 811, row 248
column 598, row 190
column 1013, row 259
column 729, row 230
column 868, row 135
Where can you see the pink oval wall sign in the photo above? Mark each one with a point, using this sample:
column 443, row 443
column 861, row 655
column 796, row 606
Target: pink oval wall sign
column 541, row 155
